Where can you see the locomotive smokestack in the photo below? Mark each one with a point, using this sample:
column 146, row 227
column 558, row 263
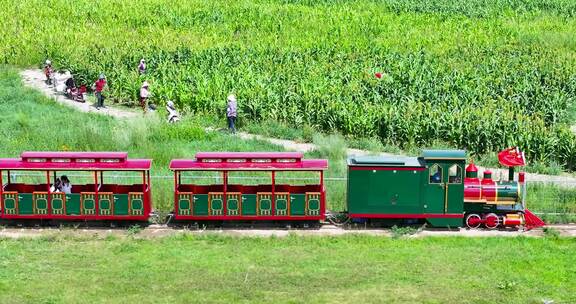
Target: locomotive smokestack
column 511, row 173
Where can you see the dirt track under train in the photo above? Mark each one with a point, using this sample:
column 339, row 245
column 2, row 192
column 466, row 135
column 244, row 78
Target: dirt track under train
column 154, row 231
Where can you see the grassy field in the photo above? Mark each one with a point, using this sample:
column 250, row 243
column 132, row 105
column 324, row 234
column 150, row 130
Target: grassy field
column 460, row 71
column 351, row 269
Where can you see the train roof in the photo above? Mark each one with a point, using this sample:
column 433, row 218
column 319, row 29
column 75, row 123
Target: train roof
column 385, row 161
column 75, row 161
column 444, row 154
column 249, row 161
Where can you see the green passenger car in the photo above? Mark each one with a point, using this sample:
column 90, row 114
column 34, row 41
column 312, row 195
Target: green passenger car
column 427, row 188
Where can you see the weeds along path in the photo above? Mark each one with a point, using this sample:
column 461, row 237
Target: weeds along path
column 34, row 78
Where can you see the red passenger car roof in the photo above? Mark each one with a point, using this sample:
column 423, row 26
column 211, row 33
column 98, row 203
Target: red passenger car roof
column 81, row 161
column 248, row 161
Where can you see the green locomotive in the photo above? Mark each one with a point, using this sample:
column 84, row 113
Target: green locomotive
column 434, row 189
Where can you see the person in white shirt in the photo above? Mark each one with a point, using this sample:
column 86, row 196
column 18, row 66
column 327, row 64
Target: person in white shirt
column 66, row 185
column 57, row 186
column 144, row 94
column 231, row 112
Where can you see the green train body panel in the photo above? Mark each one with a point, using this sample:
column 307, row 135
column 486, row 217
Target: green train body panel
column 264, row 204
column 10, row 204
column 41, row 203
column 233, row 203
column 136, row 203
column 25, row 204
column 73, row 204
column 200, row 204
column 313, row 204
column 57, row 203
column 297, row 204
column 89, row 204
column 216, row 203
column 508, row 191
column 249, row 204
column 105, row 204
column 281, row 201
column 384, row 191
column 121, row 204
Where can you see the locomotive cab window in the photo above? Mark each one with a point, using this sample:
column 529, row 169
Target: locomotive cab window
column 435, row 174
column 455, row 174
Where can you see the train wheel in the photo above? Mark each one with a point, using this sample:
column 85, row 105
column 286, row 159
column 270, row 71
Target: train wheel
column 491, row 221
column 473, row 220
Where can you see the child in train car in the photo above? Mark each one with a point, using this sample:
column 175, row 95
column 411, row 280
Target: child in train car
column 57, row 186
column 66, row 185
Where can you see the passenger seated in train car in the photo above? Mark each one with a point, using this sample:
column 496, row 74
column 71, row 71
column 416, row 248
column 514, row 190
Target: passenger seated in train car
column 57, row 186
column 436, row 177
column 66, row 185
column 454, row 179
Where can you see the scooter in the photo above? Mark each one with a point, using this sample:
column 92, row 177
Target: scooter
column 76, row 94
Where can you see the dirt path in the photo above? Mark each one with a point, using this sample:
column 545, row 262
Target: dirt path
column 155, row 231
column 305, row 147
column 35, row 79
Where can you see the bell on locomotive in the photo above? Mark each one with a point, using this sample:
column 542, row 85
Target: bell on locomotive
column 498, row 203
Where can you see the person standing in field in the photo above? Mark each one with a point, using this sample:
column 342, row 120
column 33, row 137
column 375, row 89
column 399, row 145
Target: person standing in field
column 48, row 71
column 142, row 66
column 144, row 94
column 98, row 87
column 231, row 113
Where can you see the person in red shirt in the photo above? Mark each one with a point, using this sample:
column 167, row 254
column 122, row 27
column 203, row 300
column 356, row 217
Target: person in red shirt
column 99, row 85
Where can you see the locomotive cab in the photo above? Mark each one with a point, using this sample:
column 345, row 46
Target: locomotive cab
column 444, row 191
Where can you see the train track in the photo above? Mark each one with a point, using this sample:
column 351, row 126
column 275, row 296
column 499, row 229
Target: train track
column 155, row 231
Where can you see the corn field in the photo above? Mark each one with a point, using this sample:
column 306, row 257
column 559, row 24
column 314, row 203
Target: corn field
column 479, row 74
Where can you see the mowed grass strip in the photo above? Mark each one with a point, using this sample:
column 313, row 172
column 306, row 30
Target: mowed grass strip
column 359, row 269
